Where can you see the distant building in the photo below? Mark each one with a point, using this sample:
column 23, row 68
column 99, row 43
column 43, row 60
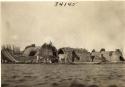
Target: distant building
column 110, row 56
column 69, row 55
column 65, row 55
column 49, row 53
column 83, row 54
column 117, row 56
column 31, row 50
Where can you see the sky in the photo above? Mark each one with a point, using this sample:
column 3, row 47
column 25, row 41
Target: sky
column 90, row 25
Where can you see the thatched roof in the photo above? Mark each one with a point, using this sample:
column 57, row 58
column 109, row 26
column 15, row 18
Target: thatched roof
column 68, row 49
column 83, row 54
column 32, row 45
column 65, row 50
column 109, row 55
column 31, row 50
column 48, row 46
column 48, row 50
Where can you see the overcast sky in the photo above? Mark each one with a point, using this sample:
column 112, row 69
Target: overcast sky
column 91, row 25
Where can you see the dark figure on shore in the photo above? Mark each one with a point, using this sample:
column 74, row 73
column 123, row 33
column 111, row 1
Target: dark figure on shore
column 54, row 60
column 92, row 57
column 74, row 55
column 103, row 58
column 121, row 58
column 121, row 55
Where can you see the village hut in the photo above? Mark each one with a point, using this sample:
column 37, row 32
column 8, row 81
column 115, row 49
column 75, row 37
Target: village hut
column 101, row 56
column 95, row 57
column 31, row 54
column 109, row 56
column 113, row 56
column 48, row 53
column 31, row 50
column 83, row 54
column 69, row 55
column 117, row 56
column 65, row 55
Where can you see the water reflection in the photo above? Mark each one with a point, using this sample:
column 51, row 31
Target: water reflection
column 28, row 75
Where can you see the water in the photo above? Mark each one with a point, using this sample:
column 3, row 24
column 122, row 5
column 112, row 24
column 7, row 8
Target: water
column 40, row 75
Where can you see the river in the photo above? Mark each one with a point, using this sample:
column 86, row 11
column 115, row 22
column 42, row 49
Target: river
column 57, row 75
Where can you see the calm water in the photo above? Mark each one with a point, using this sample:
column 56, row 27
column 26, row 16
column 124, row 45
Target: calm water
column 39, row 75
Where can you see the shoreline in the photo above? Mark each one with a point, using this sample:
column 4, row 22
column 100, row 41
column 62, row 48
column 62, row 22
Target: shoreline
column 76, row 63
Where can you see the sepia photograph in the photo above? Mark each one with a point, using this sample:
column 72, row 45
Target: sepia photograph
column 62, row 43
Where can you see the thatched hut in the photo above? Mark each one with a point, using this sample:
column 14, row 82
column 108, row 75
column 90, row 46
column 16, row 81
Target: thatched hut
column 99, row 56
column 30, row 54
column 110, row 56
column 69, row 55
column 117, row 56
column 31, row 50
column 65, row 55
column 83, row 54
column 49, row 53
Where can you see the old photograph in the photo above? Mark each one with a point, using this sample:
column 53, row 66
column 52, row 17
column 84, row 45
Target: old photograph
column 63, row 44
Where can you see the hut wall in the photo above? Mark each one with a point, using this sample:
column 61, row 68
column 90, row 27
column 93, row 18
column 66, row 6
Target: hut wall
column 68, row 57
column 115, row 57
column 65, row 54
column 46, row 52
column 33, row 51
column 106, row 54
column 97, row 56
column 84, row 57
